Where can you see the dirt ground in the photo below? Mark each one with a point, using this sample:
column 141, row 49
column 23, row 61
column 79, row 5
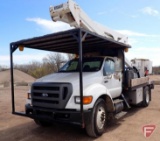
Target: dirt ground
column 128, row 128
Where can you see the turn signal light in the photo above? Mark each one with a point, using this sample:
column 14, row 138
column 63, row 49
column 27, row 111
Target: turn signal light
column 21, row 48
column 126, row 49
column 86, row 99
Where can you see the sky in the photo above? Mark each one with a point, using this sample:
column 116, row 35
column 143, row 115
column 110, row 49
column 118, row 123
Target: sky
column 23, row 19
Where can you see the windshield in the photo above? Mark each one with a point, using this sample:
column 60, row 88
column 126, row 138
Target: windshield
column 89, row 65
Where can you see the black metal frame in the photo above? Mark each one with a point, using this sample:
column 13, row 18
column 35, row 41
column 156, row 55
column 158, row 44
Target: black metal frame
column 77, row 41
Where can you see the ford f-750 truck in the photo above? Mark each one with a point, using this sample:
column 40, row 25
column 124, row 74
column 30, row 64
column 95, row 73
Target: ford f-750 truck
column 90, row 88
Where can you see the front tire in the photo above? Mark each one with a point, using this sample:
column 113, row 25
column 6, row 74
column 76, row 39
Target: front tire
column 97, row 120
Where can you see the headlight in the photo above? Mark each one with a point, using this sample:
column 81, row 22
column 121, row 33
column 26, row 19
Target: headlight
column 86, row 99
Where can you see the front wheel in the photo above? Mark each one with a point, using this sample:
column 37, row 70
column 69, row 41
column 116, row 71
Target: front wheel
column 97, row 120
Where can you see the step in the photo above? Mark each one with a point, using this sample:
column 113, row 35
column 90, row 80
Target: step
column 120, row 115
column 117, row 101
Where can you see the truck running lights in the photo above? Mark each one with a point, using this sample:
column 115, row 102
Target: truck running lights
column 86, row 99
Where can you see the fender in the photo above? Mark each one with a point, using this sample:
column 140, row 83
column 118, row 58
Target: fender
column 97, row 90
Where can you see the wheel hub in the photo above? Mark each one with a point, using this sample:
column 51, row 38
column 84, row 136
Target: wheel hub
column 101, row 117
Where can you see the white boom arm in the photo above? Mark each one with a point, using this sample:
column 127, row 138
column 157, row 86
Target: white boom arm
column 72, row 14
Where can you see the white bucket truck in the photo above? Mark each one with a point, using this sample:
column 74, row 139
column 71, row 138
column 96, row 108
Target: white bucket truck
column 90, row 87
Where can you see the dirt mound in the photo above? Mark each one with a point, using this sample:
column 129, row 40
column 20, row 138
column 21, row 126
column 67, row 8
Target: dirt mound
column 19, row 77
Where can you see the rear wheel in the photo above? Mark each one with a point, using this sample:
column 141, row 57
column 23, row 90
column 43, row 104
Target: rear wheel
column 146, row 97
column 97, row 120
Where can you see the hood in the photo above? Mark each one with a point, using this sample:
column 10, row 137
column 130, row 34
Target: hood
column 88, row 78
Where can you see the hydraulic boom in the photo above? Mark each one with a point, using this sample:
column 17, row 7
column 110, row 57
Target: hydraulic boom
column 72, row 14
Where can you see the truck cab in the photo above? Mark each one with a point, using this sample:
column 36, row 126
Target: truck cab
column 101, row 76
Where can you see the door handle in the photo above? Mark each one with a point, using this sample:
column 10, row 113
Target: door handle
column 106, row 81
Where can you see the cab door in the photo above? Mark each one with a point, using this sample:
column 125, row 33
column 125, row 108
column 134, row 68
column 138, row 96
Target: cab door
column 112, row 79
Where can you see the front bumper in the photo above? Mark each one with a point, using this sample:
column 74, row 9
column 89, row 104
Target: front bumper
column 53, row 115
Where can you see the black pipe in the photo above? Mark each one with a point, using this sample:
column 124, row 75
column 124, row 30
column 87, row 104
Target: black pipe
column 12, row 78
column 81, row 75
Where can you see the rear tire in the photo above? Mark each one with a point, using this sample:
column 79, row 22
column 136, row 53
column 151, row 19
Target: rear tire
column 146, row 97
column 97, row 120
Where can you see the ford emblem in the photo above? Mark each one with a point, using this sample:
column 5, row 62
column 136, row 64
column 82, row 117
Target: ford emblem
column 45, row 95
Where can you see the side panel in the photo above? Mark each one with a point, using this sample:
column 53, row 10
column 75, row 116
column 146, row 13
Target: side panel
column 136, row 96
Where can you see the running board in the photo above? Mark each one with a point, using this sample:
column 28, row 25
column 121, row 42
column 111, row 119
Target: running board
column 120, row 115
